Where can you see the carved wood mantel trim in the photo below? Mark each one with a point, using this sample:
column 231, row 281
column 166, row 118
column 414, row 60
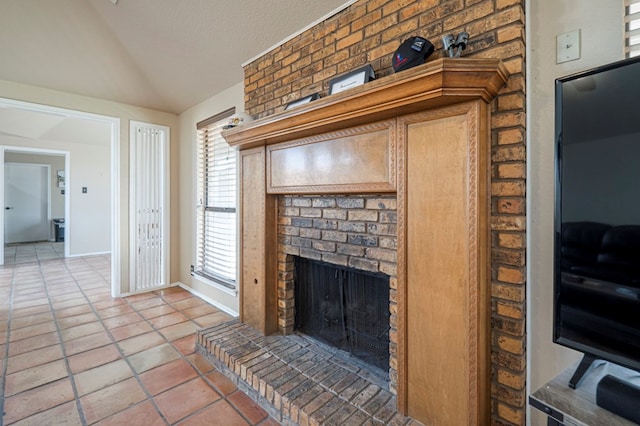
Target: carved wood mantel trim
column 355, row 160
column 437, row 83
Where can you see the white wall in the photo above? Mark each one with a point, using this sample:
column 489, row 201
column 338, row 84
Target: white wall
column 124, row 113
column 232, row 97
column 601, row 26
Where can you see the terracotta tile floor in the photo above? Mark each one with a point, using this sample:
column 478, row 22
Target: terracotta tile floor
column 70, row 354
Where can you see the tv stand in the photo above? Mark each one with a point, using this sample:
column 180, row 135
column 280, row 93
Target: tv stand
column 565, row 406
column 584, row 365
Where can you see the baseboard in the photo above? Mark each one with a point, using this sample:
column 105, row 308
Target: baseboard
column 207, row 299
column 202, row 296
column 98, row 253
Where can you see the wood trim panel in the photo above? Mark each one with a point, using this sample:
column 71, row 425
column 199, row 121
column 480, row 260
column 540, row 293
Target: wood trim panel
column 355, row 160
column 443, row 244
column 258, row 260
column 437, row 83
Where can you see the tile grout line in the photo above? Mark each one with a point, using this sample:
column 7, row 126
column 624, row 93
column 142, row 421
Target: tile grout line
column 68, row 275
column 34, row 258
column 224, row 397
column 5, row 361
column 49, row 304
column 65, row 357
column 186, row 359
column 69, row 271
column 200, row 373
column 123, row 356
column 70, row 375
column 135, row 373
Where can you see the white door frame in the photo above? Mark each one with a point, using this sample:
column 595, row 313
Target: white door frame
column 114, row 125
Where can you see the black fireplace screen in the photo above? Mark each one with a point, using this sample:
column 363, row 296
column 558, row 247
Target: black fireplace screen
column 345, row 308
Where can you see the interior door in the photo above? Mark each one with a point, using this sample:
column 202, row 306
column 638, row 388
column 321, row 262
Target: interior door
column 26, row 192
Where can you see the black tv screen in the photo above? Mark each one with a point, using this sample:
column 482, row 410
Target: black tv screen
column 597, row 217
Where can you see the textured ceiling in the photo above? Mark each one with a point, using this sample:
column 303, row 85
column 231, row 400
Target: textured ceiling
column 167, row 55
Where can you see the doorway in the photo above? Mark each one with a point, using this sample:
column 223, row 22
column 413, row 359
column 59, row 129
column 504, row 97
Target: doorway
column 35, row 208
column 40, row 128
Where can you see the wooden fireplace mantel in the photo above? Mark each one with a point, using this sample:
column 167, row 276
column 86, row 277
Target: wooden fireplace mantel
column 423, row 134
column 441, row 82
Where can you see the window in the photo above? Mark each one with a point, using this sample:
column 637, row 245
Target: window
column 632, row 28
column 216, row 210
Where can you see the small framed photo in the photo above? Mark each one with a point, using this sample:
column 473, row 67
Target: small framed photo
column 302, row 101
column 352, row 79
column 60, row 178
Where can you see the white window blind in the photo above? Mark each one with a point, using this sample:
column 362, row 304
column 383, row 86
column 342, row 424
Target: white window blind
column 632, row 28
column 216, row 210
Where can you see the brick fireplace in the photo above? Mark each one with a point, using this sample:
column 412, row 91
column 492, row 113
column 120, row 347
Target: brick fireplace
column 367, row 32
column 296, row 381
column 418, row 143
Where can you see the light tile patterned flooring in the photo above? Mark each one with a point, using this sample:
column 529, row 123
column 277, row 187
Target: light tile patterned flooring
column 71, row 354
column 33, row 252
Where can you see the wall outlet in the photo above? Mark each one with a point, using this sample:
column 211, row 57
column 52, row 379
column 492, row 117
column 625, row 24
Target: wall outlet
column 84, row 189
column 568, row 46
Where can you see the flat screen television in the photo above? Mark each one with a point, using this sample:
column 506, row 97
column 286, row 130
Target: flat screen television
column 597, row 217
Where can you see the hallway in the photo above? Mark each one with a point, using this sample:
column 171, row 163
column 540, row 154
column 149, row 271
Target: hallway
column 71, row 354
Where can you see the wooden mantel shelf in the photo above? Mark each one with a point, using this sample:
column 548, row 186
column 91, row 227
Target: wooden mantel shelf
column 437, row 83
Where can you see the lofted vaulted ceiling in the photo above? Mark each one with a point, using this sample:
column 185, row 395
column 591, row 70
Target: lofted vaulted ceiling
column 167, row 55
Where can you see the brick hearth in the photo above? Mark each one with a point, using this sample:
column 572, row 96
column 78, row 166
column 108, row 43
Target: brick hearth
column 299, row 381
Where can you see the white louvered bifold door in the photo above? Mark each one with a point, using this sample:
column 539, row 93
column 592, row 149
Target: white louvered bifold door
column 149, row 172
column 632, row 28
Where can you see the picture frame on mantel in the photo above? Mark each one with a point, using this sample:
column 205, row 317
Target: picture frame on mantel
column 302, row 101
column 352, row 79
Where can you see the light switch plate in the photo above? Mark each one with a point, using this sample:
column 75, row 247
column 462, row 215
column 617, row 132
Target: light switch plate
column 568, row 46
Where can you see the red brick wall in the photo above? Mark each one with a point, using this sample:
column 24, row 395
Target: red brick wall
column 368, row 32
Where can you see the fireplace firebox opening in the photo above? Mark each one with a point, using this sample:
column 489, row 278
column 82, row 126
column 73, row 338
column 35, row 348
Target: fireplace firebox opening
column 344, row 308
